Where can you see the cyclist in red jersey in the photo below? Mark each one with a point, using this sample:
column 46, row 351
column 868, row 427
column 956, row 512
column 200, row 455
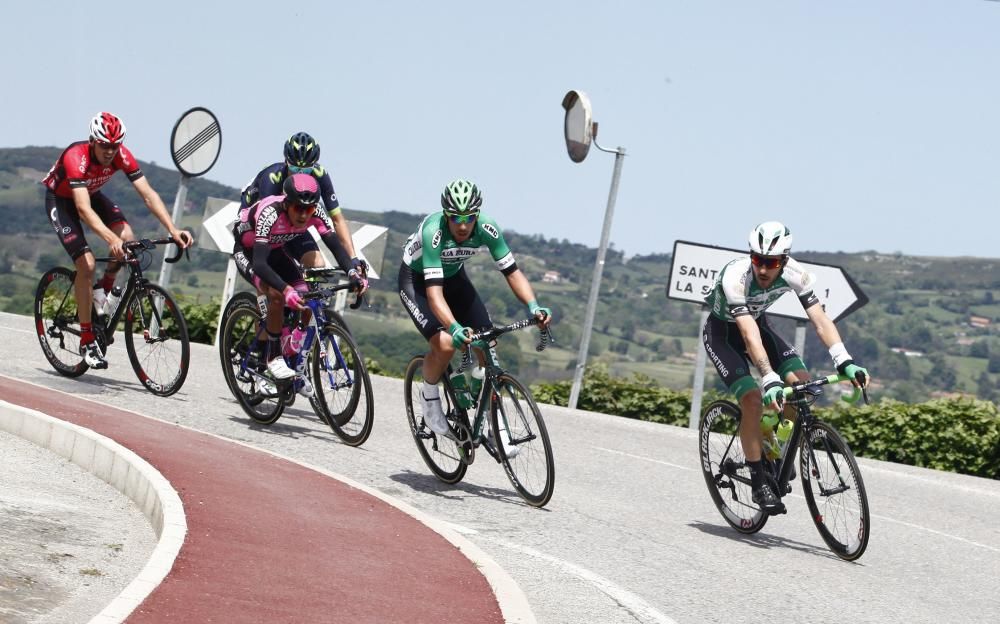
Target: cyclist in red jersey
column 74, row 194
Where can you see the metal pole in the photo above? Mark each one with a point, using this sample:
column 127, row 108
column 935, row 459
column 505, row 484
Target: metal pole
column 179, row 200
column 800, row 338
column 595, row 285
column 699, row 374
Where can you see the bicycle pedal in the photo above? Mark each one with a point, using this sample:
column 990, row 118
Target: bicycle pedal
column 788, row 488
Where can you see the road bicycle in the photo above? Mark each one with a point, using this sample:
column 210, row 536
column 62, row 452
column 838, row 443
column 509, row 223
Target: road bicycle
column 831, row 480
column 156, row 335
column 507, row 404
column 329, row 357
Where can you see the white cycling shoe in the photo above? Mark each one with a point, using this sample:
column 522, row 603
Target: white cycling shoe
column 304, row 386
column 433, row 416
column 92, row 355
column 279, row 370
column 509, row 450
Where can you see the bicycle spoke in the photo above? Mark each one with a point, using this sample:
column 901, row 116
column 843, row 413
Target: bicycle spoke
column 156, row 339
column 522, row 441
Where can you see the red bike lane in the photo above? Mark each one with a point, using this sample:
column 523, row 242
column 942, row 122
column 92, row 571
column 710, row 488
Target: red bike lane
column 272, row 541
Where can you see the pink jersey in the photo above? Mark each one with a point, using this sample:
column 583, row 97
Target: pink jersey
column 267, row 222
column 77, row 168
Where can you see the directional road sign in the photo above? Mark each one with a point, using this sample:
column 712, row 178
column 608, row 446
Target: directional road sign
column 695, row 266
column 369, row 240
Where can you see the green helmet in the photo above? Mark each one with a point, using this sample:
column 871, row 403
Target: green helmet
column 461, row 197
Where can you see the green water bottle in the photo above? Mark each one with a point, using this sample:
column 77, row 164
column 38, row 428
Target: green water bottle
column 784, row 430
column 476, row 381
column 462, row 394
column 768, row 422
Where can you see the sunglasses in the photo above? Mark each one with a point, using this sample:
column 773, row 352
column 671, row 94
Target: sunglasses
column 462, row 219
column 294, row 169
column 767, row 262
column 107, row 146
column 303, row 207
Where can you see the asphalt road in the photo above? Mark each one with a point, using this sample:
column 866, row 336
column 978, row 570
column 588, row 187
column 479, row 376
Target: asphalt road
column 631, row 534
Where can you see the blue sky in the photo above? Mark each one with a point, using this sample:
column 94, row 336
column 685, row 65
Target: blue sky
column 861, row 124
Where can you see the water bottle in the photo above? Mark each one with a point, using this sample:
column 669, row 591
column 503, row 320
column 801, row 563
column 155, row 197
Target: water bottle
column 462, row 394
column 768, row 422
column 476, row 382
column 784, row 431
column 100, row 300
column 113, row 298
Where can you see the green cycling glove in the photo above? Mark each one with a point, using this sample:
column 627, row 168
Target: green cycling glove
column 534, row 309
column 774, row 390
column 458, row 335
column 850, row 369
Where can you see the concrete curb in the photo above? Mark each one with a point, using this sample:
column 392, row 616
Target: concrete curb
column 126, row 472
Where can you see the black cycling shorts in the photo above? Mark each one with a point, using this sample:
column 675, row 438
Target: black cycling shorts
column 727, row 351
column 459, row 294
column 279, row 260
column 65, row 219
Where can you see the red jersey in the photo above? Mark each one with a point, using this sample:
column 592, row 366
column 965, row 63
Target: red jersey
column 76, row 168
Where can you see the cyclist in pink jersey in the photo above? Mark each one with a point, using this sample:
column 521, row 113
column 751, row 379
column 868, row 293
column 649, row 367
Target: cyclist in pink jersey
column 262, row 232
column 74, row 194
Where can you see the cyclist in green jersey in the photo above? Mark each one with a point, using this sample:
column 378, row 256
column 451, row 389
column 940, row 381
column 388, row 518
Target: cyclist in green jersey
column 437, row 293
column 738, row 332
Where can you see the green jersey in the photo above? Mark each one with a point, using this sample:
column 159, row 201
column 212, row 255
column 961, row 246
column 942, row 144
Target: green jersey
column 737, row 293
column 433, row 251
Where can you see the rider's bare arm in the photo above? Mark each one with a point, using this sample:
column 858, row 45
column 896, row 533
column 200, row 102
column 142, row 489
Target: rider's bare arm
column 755, row 347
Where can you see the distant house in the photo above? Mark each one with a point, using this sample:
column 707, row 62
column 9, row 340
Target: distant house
column 979, row 321
column 552, row 277
column 907, row 352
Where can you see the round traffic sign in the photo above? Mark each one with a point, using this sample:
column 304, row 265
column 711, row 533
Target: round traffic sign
column 195, row 142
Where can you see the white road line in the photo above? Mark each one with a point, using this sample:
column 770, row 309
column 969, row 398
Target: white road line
column 885, row 518
column 639, row 608
column 649, row 459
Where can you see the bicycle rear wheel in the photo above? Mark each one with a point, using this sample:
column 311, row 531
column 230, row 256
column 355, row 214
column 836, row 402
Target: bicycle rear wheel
column 243, row 360
column 517, row 425
column 156, row 338
column 441, row 454
column 725, row 469
column 342, row 389
column 57, row 323
column 834, row 491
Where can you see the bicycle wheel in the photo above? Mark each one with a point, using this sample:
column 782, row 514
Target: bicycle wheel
column 517, row 424
column 56, row 322
column 243, row 362
column 725, row 467
column 441, row 454
column 156, row 338
column 342, row 395
column 834, row 491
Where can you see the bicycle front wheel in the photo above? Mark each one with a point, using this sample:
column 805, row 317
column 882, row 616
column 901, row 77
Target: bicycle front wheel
column 725, row 468
column 834, row 491
column 243, row 365
column 342, row 389
column 57, row 323
column 156, row 338
column 522, row 440
column 441, row 454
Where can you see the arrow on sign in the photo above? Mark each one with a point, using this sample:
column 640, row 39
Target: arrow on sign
column 694, row 268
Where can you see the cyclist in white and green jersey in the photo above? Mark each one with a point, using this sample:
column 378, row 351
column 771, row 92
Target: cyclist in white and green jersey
column 437, row 293
column 738, row 333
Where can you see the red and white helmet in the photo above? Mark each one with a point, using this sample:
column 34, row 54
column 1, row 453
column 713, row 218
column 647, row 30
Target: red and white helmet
column 107, row 128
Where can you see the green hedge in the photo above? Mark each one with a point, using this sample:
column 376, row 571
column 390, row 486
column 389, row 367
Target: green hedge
column 957, row 435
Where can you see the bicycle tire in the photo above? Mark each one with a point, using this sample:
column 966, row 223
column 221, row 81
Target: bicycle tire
column 56, row 322
column 826, row 464
column 240, row 323
column 441, row 454
column 724, row 467
column 162, row 355
column 532, row 471
column 346, row 406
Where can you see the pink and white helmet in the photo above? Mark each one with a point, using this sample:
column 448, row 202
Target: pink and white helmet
column 107, row 128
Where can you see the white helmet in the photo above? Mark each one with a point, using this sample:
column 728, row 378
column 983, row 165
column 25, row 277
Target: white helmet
column 770, row 239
